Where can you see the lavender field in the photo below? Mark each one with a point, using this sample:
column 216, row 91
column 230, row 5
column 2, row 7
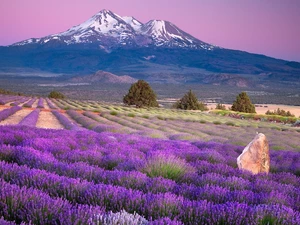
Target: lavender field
column 116, row 165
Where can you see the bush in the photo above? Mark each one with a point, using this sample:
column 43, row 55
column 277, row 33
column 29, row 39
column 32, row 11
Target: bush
column 140, row 94
column 190, row 102
column 167, row 166
column 243, row 104
column 56, row 95
column 131, row 115
column 280, row 112
column 113, row 113
column 220, row 106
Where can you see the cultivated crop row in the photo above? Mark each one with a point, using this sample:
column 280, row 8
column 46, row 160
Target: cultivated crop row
column 191, row 183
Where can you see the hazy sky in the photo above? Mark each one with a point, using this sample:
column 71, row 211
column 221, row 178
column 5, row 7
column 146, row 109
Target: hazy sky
column 269, row 27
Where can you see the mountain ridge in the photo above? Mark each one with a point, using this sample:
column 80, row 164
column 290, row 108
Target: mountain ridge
column 104, row 77
column 155, row 50
column 111, row 30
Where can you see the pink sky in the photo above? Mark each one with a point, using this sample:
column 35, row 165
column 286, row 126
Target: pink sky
column 269, row 27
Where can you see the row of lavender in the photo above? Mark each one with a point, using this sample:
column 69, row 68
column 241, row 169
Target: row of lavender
column 25, row 101
column 177, row 130
column 174, row 130
column 191, row 183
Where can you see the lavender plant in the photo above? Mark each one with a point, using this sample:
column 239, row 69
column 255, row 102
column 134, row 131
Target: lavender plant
column 31, row 119
column 122, row 217
column 50, row 104
column 8, row 112
column 40, row 103
column 82, row 173
column 29, row 103
column 65, row 121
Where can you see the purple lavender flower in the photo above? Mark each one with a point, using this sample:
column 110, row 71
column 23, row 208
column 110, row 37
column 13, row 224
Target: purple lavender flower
column 8, row 112
column 31, row 119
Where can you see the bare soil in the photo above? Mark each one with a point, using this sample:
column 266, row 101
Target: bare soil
column 34, row 105
column 263, row 108
column 48, row 120
column 16, row 117
column 45, row 104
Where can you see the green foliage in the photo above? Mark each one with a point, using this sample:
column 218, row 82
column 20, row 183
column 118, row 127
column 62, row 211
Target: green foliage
column 190, row 102
column 280, row 112
column 220, row 106
column 131, row 115
column 56, row 95
column 229, row 123
column 167, row 166
column 7, row 92
column 243, row 104
column 217, row 123
column 113, row 113
column 140, row 94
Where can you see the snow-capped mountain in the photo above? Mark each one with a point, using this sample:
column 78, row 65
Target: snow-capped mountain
column 109, row 30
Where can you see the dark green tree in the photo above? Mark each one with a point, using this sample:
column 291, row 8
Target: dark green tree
column 140, row 94
column 56, row 94
column 243, row 104
column 190, row 102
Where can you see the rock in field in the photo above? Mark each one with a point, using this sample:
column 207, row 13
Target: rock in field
column 255, row 157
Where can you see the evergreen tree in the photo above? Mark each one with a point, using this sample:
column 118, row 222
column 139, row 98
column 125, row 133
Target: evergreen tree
column 190, row 102
column 243, row 104
column 56, row 94
column 140, row 94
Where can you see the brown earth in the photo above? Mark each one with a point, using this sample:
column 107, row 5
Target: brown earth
column 263, row 108
column 16, row 117
column 48, row 120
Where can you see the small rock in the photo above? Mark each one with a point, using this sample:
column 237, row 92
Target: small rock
column 296, row 124
column 255, row 156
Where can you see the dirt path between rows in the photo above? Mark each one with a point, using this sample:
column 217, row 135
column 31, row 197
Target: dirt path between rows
column 48, row 120
column 16, row 117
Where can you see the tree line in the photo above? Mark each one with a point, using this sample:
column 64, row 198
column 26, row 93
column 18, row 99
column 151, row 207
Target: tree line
column 141, row 94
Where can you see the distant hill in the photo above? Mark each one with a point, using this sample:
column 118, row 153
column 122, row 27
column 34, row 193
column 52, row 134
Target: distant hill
column 104, row 77
column 156, row 51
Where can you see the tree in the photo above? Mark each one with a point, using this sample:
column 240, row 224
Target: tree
column 243, row 104
column 140, row 94
column 56, row 94
column 220, row 106
column 190, row 102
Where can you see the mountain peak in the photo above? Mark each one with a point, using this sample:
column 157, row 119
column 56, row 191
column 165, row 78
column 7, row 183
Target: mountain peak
column 108, row 30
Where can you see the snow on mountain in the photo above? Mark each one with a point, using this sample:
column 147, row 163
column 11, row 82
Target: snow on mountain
column 108, row 30
column 166, row 33
column 135, row 24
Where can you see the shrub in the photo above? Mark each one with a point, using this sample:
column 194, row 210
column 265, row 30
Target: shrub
column 280, row 112
column 131, row 115
column 217, row 122
column 220, row 106
column 230, row 123
column 190, row 102
column 56, row 94
column 140, row 94
column 113, row 113
column 167, row 166
column 243, row 104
